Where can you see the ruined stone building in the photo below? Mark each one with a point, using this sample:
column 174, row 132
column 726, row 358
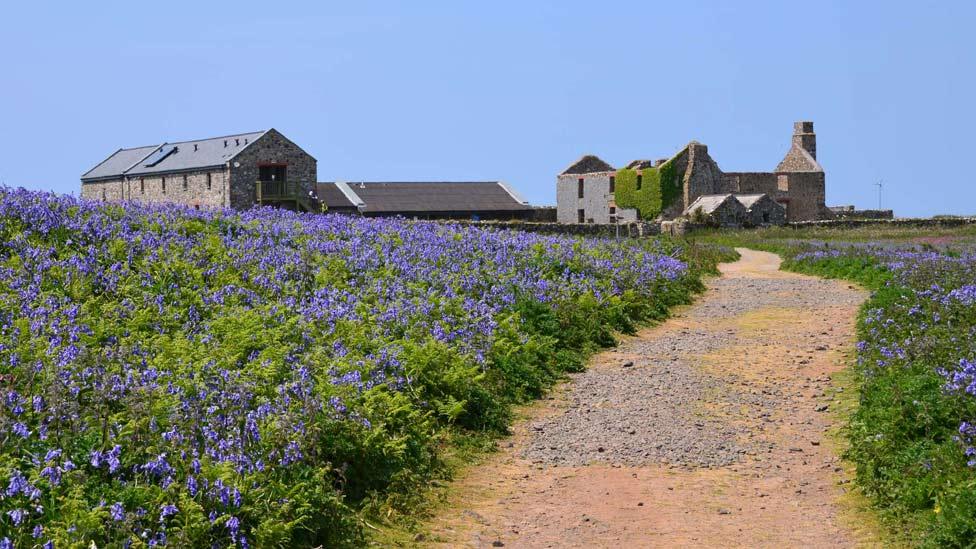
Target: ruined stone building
column 592, row 191
column 233, row 171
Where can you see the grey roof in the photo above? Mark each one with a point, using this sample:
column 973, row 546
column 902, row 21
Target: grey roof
column 392, row 197
column 333, row 198
column 748, row 200
column 188, row 155
column 708, row 203
column 588, row 163
column 119, row 162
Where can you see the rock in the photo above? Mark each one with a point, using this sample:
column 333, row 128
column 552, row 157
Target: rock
column 628, row 364
column 498, row 543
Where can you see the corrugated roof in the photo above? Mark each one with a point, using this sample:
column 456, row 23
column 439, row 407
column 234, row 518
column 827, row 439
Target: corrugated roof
column 121, row 160
column 436, row 196
column 189, row 155
column 333, row 198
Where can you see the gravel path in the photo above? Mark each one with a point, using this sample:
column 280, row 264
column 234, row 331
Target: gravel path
column 707, row 430
column 653, row 407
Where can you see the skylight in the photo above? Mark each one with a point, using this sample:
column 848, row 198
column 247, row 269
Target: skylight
column 159, row 155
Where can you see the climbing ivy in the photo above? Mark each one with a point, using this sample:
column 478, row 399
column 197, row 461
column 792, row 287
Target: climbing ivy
column 659, row 188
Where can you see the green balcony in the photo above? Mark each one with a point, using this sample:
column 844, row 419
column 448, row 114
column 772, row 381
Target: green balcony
column 286, row 194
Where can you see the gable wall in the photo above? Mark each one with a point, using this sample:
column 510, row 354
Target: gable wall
column 271, row 148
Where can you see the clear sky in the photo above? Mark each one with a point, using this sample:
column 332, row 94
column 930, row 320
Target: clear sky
column 503, row 90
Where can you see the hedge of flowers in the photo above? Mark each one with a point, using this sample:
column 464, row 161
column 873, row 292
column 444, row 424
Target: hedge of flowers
column 913, row 436
column 214, row 378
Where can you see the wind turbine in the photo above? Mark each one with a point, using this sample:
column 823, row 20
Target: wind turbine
column 879, row 185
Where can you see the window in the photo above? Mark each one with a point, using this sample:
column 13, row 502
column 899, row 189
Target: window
column 209, row 181
column 103, row 194
column 613, row 213
column 142, row 186
column 581, row 216
column 273, row 172
column 579, row 188
column 613, row 181
column 640, row 179
column 613, row 210
column 163, row 184
column 765, row 217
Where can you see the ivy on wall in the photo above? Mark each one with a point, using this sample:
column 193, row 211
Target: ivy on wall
column 660, row 187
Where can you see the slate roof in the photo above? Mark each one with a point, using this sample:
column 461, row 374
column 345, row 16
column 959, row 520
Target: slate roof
column 333, row 198
column 588, row 164
column 120, row 161
column 390, row 197
column 188, row 155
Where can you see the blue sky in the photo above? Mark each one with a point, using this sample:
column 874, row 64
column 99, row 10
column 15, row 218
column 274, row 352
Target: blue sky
column 503, row 90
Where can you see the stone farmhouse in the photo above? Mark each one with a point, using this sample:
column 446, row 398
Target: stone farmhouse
column 233, row 171
column 592, row 191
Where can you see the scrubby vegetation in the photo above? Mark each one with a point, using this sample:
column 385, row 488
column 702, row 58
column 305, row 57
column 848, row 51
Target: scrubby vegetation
column 184, row 378
column 913, row 434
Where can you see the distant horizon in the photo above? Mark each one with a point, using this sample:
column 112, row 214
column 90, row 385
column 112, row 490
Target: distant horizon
column 504, row 92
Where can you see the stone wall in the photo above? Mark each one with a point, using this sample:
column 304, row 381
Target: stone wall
column 766, row 211
column 596, row 199
column 271, row 148
column 748, row 183
column 628, row 230
column 804, row 195
column 108, row 191
column 190, row 188
column 863, row 214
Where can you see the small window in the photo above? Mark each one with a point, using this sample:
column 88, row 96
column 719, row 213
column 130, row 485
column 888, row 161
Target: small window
column 142, row 186
column 163, row 184
column 103, row 194
column 581, row 216
column 613, row 220
column 579, row 188
column 613, row 181
column 765, row 217
column 185, row 184
column 209, row 181
column 640, row 180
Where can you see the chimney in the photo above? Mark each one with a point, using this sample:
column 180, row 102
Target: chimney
column 804, row 137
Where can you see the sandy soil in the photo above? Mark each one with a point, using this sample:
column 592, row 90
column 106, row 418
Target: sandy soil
column 755, row 356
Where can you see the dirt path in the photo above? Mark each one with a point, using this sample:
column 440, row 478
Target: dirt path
column 708, row 430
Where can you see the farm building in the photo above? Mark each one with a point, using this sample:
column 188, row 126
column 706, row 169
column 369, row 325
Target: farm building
column 477, row 200
column 720, row 209
column 233, row 171
column 761, row 210
column 592, row 191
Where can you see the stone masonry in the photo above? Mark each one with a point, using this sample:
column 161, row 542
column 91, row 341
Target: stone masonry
column 209, row 173
column 798, row 183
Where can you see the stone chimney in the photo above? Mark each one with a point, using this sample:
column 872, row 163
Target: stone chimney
column 804, row 138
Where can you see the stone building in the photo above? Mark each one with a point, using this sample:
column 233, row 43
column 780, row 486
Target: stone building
column 736, row 210
column 471, row 200
column 233, row 171
column 586, row 193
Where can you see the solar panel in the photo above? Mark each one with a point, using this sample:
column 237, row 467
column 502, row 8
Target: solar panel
column 159, row 155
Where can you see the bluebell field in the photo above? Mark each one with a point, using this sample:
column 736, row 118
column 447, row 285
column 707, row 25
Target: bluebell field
column 218, row 378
